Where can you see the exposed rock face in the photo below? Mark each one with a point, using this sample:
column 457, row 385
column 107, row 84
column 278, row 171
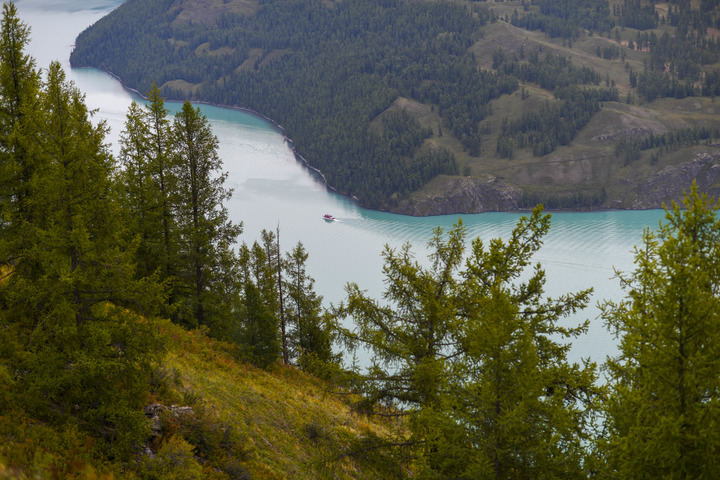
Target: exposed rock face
column 671, row 182
column 627, row 132
column 153, row 411
column 465, row 195
column 473, row 195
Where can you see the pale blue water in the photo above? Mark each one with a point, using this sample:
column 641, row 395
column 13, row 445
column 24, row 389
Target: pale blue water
column 272, row 188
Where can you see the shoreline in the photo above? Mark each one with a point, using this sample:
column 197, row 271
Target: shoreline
column 279, row 127
column 316, row 171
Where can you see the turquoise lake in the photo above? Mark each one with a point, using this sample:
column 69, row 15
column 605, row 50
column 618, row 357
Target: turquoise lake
column 272, row 188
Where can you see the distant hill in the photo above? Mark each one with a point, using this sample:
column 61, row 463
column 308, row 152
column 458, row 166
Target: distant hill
column 435, row 107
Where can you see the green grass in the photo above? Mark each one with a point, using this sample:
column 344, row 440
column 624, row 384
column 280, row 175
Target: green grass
column 586, row 164
column 277, row 424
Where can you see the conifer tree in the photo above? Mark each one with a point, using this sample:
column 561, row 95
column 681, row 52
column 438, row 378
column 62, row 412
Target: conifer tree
column 205, row 232
column 86, row 352
column 257, row 327
column 473, row 357
column 19, row 87
column 259, row 336
column 411, row 342
column 150, row 185
column 272, row 285
column 663, row 412
column 311, row 334
column 523, row 408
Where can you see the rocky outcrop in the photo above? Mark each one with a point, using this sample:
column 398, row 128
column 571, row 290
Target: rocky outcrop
column 464, row 195
column 626, row 132
column 473, row 195
column 153, row 412
column 671, row 182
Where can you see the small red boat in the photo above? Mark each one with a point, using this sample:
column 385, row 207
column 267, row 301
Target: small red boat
column 328, row 218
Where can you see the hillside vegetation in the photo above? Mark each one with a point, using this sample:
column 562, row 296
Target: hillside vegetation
column 243, row 423
column 114, row 276
column 448, row 107
column 139, row 339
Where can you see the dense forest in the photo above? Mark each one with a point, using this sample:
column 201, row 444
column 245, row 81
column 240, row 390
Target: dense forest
column 329, row 72
column 350, row 63
column 106, row 264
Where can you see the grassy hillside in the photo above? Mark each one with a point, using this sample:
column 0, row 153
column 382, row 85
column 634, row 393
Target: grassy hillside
column 589, row 162
column 330, row 72
column 246, row 423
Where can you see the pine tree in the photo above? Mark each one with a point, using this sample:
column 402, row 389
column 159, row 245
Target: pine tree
column 663, row 411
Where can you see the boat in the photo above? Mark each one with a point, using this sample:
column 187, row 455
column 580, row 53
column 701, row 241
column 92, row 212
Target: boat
column 328, row 218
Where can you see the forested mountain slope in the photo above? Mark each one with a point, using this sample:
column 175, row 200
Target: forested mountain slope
column 436, row 107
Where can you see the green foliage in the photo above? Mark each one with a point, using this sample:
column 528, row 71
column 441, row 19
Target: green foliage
column 149, row 187
column 174, row 461
column 312, row 335
column 30, row 449
column 173, row 195
column 351, row 62
column 79, row 319
column 19, row 87
column 330, row 72
column 281, row 307
column 524, row 408
column 208, row 440
column 662, row 412
column 564, row 18
column 555, row 123
column 259, row 336
column 411, row 359
column 473, row 358
column 468, row 351
column 205, row 230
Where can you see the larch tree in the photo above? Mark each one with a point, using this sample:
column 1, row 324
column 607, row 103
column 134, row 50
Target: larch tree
column 311, row 334
column 205, row 231
column 149, row 182
column 19, row 88
column 80, row 316
column 273, row 285
column 524, row 409
column 472, row 352
column 663, row 411
column 257, row 328
column 412, row 341
column 258, row 333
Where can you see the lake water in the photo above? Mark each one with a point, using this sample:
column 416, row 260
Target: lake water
column 272, row 188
